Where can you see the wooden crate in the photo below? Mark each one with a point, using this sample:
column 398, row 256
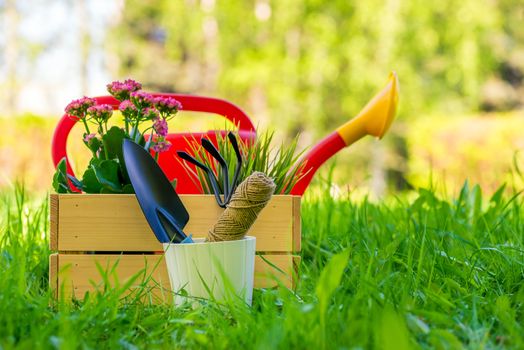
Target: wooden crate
column 90, row 229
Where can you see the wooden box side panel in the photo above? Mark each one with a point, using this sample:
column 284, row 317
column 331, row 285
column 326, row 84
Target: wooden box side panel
column 116, row 223
column 53, row 222
column 297, row 225
column 78, row 273
column 53, row 274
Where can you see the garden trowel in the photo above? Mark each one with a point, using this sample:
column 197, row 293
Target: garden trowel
column 163, row 209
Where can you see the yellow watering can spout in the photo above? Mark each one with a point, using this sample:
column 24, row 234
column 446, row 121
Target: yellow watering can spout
column 376, row 117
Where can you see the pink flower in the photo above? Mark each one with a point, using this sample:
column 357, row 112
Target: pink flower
column 128, row 109
column 160, row 126
column 101, row 113
column 122, row 90
column 127, row 106
column 167, row 105
column 89, row 137
column 161, row 146
column 78, row 108
column 151, row 113
column 133, row 85
column 142, row 99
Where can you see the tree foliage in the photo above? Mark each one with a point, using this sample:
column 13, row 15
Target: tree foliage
column 315, row 63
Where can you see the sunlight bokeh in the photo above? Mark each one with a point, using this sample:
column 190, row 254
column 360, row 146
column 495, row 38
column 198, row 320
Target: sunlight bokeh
column 296, row 67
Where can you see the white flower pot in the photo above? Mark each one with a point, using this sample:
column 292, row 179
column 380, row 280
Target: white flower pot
column 213, row 270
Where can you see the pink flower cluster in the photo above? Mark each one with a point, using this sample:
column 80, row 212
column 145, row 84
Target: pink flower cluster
column 122, row 90
column 101, row 113
column 161, row 146
column 142, row 99
column 127, row 107
column 151, row 113
column 160, row 126
column 167, row 105
column 78, row 108
column 136, row 106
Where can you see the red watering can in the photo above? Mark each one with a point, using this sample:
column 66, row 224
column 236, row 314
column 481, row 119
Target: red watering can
column 374, row 119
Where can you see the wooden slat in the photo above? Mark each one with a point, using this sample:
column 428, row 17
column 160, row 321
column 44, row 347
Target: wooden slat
column 267, row 276
column 116, row 223
column 53, row 222
column 53, row 274
column 78, row 272
column 297, row 228
column 296, row 264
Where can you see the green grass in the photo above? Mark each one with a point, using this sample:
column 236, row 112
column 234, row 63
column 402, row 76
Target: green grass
column 406, row 273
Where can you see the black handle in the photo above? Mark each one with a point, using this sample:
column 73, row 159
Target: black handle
column 170, row 227
column 211, row 176
column 190, row 159
column 234, row 142
column 208, row 146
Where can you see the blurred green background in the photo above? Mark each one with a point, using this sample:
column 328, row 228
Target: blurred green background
column 298, row 67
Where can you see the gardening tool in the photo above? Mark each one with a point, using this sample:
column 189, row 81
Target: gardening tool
column 160, row 203
column 229, row 188
column 375, row 119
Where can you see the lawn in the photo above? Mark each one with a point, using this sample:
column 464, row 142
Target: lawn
column 415, row 271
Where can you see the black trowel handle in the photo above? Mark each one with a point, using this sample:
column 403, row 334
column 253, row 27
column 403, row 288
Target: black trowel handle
column 171, row 230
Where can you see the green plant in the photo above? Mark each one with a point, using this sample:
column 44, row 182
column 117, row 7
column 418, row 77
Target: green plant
column 422, row 272
column 282, row 164
column 106, row 172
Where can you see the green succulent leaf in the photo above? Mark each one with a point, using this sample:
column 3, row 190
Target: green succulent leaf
column 60, row 182
column 90, row 182
column 106, row 172
column 94, row 145
column 113, row 141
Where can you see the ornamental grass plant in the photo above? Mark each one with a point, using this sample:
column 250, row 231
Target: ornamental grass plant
column 282, row 163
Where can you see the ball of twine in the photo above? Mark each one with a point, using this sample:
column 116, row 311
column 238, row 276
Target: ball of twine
column 250, row 197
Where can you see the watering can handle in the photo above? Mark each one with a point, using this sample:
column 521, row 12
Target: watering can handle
column 189, row 103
